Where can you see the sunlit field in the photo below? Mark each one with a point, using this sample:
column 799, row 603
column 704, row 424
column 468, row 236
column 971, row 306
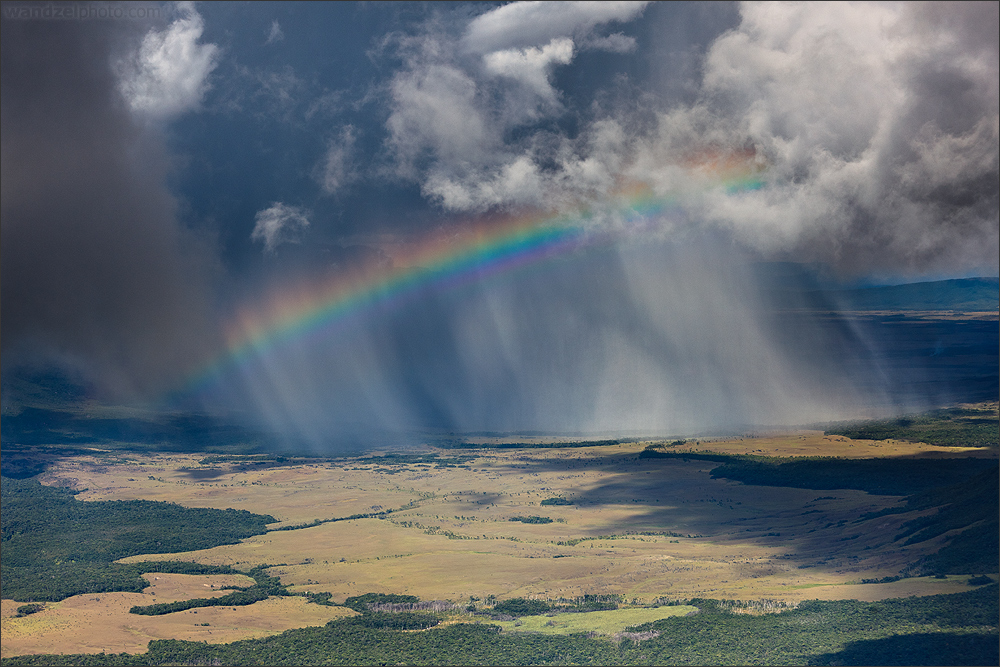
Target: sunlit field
column 601, row 622
column 467, row 523
column 640, row 528
column 102, row 622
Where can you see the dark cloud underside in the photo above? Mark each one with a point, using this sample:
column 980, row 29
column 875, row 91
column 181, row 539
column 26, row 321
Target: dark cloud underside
column 96, row 270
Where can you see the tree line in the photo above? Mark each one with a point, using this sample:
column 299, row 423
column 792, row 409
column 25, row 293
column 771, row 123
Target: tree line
column 957, row 629
column 55, row 546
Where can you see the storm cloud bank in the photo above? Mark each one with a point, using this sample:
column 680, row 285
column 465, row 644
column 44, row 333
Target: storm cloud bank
column 877, row 123
column 98, row 274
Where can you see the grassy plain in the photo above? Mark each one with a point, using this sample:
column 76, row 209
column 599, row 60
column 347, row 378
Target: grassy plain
column 96, row 623
column 602, row 622
column 640, row 528
column 709, row 538
column 808, row 442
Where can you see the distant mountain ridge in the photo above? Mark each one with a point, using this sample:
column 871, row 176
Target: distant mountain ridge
column 963, row 294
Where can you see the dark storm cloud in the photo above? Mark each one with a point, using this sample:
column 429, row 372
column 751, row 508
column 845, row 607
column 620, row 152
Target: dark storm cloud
column 97, row 272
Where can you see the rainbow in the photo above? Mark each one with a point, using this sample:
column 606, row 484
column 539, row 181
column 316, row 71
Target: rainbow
column 454, row 257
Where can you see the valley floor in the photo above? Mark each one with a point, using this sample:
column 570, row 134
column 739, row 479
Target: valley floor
column 466, row 525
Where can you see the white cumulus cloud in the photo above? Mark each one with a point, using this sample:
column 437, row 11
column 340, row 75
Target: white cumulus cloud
column 531, row 66
column 874, row 128
column 169, row 73
column 459, row 99
column 436, row 111
column 522, row 24
column 878, row 124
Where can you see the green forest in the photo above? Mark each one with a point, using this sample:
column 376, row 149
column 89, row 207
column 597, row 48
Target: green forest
column 888, row 476
column 948, row 427
column 55, row 546
column 958, row 629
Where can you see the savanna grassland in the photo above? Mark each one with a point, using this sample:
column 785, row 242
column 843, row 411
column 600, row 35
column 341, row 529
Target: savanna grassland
column 472, row 523
column 102, row 622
